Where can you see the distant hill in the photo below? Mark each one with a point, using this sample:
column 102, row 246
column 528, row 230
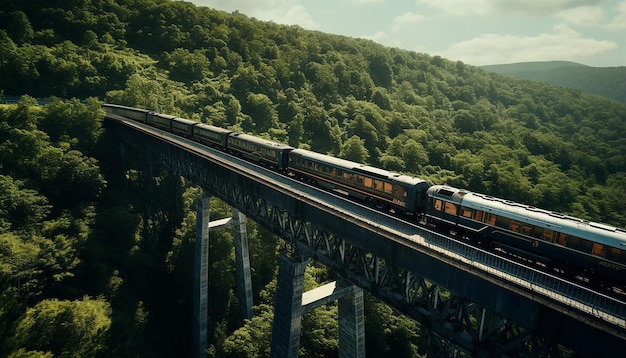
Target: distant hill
column 609, row 82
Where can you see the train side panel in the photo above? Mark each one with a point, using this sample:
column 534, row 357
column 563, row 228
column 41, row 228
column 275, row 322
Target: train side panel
column 211, row 135
column 259, row 150
column 183, row 127
column 139, row 115
column 162, row 121
column 533, row 233
column 360, row 181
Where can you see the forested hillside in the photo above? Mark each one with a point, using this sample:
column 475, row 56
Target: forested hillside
column 79, row 244
column 609, row 82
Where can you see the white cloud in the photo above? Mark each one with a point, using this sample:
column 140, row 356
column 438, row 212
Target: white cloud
column 286, row 12
column 365, row 1
column 619, row 21
column 458, row 7
column 563, row 44
column 406, row 19
column 480, row 7
column 295, row 15
column 587, row 16
column 380, row 37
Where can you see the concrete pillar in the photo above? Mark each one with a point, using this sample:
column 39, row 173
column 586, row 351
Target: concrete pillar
column 201, row 278
column 351, row 324
column 288, row 307
column 242, row 262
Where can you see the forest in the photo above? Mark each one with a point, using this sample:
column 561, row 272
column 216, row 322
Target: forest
column 88, row 268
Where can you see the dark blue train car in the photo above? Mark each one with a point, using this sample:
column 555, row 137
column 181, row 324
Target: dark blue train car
column 540, row 235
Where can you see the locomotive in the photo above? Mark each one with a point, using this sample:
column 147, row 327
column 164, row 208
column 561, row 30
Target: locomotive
column 556, row 241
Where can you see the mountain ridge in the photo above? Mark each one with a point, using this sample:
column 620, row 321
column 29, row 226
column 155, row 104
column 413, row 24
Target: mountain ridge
column 609, row 82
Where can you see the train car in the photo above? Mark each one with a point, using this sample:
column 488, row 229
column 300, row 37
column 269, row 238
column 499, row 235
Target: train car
column 211, row 135
column 161, row 121
column 551, row 238
column 263, row 151
column 360, row 181
column 139, row 115
column 183, row 127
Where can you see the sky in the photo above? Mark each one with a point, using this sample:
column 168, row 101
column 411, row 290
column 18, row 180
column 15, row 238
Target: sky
column 476, row 32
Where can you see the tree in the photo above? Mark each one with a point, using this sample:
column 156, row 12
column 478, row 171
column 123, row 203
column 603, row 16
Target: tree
column 10, row 310
column 66, row 328
column 261, row 109
column 186, row 66
column 354, row 149
column 20, row 27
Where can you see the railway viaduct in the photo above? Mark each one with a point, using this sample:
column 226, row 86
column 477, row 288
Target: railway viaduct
column 470, row 302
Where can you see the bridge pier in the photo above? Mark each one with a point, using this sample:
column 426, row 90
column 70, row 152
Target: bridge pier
column 201, row 270
column 242, row 263
column 351, row 324
column 288, row 306
column 291, row 303
column 201, row 278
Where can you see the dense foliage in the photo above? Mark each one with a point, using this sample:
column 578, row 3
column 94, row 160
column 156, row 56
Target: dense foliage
column 91, row 240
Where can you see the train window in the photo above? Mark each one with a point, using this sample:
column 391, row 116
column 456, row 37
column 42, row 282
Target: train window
column 490, row 218
column 478, row 215
column 502, row 222
column 378, row 185
column 617, row 255
column 438, row 205
column 599, row 250
column 579, row 244
column 548, row 235
column 515, row 226
column 466, row 212
column 368, row 182
column 561, row 239
column 388, row 188
column 450, row 208
column 526, row 229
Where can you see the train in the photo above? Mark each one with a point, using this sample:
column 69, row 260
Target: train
column 559, row 243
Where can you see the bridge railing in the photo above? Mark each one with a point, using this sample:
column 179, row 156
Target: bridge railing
column 584, row 299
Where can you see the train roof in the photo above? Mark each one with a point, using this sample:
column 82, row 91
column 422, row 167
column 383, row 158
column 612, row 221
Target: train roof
column 119, row 106
column 213, row 128
column 259, row 141
column 598, row 232
column 348, row 165
column 185, row 120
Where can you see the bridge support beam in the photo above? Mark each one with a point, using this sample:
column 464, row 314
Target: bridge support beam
column 201, row 269
column 351, row 324
column 288, row 306
column 201, row 278
column 242, row 262
column 349, row 315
